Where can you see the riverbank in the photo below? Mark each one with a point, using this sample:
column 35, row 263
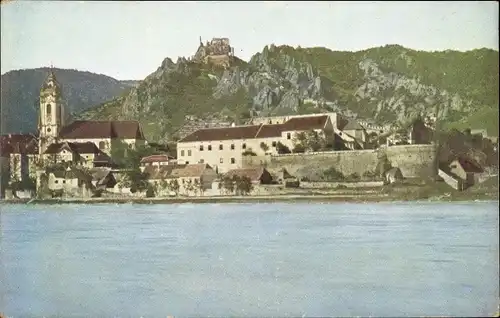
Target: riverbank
column 433, row 192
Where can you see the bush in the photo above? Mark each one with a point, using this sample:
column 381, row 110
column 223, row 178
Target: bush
column 150, row 192
column 332, row 174
column 299, row 149
column 282, row 149
column 354, row 177
column 249, row 152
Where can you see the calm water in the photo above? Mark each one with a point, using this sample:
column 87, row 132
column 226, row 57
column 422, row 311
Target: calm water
column 389, row 259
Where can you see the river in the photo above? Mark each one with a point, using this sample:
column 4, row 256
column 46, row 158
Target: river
column 276, row 259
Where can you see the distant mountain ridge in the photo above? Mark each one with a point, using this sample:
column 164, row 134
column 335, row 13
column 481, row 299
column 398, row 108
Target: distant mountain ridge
column 389, row 84
column 81, row 90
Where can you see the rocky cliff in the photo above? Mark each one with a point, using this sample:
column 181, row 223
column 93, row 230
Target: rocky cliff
column 388, row 84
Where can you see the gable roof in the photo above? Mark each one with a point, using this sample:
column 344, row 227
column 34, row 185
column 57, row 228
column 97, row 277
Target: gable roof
column 77, row 147
column 305, row 123
column 176, row 171
column 469, row 165
column 82, row 129
column 258, row 131
column 253, row 173
column 222, row 133
column 156, row 158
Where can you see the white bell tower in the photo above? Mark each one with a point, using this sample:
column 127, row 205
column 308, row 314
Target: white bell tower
column 51, row 115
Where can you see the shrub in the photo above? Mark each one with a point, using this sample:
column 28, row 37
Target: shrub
column 282, row 149
column 332, row 174
column 299, row 149
column 249, row 152
column 354, row 176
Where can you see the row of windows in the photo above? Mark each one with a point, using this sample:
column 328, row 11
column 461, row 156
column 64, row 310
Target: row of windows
column 221, row 147
column 233, row 161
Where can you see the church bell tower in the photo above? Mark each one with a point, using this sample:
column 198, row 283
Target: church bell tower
column 51, row 113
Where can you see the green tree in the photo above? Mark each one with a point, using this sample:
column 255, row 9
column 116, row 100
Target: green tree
column 281, row 148
column 175, row 186
column 243, row 185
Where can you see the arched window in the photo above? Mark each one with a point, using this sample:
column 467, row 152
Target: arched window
column 102, row 145
column 49, row 110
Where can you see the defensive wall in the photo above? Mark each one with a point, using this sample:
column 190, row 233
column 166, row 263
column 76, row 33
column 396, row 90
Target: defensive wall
column 413, row 160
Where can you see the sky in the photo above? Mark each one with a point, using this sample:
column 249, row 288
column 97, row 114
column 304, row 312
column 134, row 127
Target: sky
column 129, row 40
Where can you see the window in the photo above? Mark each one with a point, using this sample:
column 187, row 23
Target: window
column 56, row 182
column 189, row 153
column 187, row 162
column 288, row 136
column 274, row 143
column 102, row 145
column 221, row 160
column 209, row 147
column 453, row 166
column 233, row 161
column 220, row 147
column 340, row 134
column 49, row 130
column 270, row 122
column 64, row 181
column 182, row 153
column 49, row 110
column 201, row 147
column 232, row 146
column 244, row 146
column 202, row 161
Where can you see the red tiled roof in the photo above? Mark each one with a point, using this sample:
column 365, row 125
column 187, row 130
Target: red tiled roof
column 78, row 147
column 224, row 133
column 305, row 123
column 269, row 131
column 253, row 173
column 18, row 143
column 258, row 131
column 176, row 171
column 156, row 158
column 469, row 165
column 102, row 129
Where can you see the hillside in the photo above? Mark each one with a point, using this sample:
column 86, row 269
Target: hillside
column 81, row 90
column 388, row 84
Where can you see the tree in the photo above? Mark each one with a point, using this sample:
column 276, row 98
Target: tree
column 198, row 186
column 243, row 185
column 228, row 184
column 175, row 186
column 313, row 140
column 264, row 146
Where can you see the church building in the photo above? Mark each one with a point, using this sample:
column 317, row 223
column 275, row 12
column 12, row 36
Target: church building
column 86, row 143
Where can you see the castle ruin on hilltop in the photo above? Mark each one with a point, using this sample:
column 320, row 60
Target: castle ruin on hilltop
column 218, row 52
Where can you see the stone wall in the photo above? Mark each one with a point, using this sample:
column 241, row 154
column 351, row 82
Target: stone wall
column 413, row 160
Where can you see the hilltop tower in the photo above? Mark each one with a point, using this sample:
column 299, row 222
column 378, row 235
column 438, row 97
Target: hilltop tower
column 51, row 115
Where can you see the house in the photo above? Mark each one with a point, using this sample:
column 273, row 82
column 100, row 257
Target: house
column 393, row 175
column 352, row 133
column 188, row 178
column 28, row 151
column 223, row 148
column 258, row 175
column 71, row 181
column 466, row 169
column 74, row 152
column 103, row 178
column 20, row 152
column 157, row 160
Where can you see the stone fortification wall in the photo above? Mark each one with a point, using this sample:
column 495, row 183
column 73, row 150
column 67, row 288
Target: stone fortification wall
column 413, row 160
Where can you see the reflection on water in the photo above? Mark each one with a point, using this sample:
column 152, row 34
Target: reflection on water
column 250, row 260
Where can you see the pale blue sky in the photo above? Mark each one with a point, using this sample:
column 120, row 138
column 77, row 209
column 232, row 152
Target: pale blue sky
column 129, row 40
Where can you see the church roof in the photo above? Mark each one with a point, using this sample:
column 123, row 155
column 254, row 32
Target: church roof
column 82, row 129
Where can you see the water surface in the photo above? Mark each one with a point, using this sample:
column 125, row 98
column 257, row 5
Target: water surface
column 385, row 259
